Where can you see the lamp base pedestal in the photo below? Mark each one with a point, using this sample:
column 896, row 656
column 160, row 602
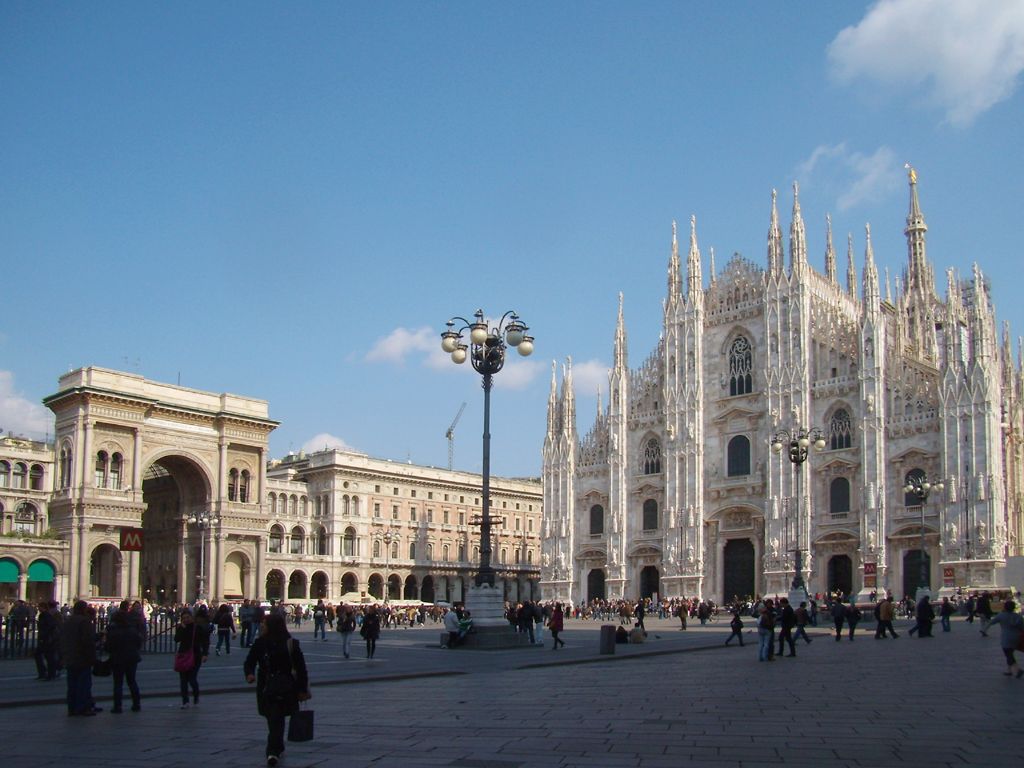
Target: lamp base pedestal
column 491, row 630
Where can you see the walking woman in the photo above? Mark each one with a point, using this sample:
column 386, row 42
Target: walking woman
column 555, row 625
column 1011, row 627
column 193, row 647
column 371, row 630
column 276, row 664
column 346, row 626
column 124, row 644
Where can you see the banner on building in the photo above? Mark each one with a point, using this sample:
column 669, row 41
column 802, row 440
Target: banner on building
column 131, row 539
column 870, row 573
column 948, row 576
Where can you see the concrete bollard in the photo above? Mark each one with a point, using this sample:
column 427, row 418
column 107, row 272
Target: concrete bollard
column 607, row 639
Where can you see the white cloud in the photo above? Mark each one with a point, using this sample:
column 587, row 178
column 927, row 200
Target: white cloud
column 861, row 177
column 402, row 342
column 590, row 377
column 966, row 55
column 323, row 441
column 20, row 415
column 518, row 374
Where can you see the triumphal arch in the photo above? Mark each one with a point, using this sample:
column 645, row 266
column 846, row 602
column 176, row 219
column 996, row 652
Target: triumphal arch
column 159, row 488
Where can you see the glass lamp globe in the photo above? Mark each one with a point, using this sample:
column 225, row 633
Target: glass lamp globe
column 448, row 343
column 525, row 347
column 777, row 446
column 514, row 337
column 478, row 334
column 459, row 355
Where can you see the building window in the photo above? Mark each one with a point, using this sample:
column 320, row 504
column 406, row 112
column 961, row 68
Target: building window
column 430, row 551
column 394, row 550
column 840, row 430
column 462, row 552
column 529, row 525
column 276, row 541
column 321, row 541
column 35, row 477
column 740, row 367
column 394, row 511
column 233, row 485
column 243, row 487
column 296, row 543
column 596, row 520
column 348, row 543
column 100, row 479
column 738, row 459
column 444, row 517
column 376, row 509
column 839, row 496
column 412, row 514
column 376, row 549
column 462, row 518
column 65, row 466
column 413, row 492
column 650, row 519
column 652, row 457
column 412, row 550
column 25, row 519
column 5, row 472
column 430, row 515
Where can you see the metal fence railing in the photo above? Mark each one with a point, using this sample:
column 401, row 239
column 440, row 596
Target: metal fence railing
column 18, row 635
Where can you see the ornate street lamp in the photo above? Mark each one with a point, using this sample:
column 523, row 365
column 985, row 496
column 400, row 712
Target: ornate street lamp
column 919, row 486
column 202, row 519
column 799, row 442
column 486, row 351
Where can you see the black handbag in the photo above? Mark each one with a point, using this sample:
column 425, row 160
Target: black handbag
column 101, row 668
column 300, row 725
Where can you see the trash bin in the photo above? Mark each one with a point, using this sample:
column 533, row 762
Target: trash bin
column 607, row 639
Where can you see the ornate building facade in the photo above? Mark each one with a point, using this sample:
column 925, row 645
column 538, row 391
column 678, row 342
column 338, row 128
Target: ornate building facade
column 674, row 490
column 165, row 492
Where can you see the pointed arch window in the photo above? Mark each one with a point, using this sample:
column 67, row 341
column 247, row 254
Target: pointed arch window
column 741, row 363
column 738, row 458
column 652, row 457
column 650, row 516
column 840, row 430
column 596, row 520
column 839, row 496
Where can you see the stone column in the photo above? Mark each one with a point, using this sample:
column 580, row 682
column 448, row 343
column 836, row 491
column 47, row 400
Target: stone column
column 23, row 586
column 134, row 588
column 221, row 494
column 260, row 583
column 87, row 458
column 137, row 461
column 83, row 590
column 184, row 582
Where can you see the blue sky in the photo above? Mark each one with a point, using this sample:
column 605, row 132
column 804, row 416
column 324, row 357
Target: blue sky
column 287, row 201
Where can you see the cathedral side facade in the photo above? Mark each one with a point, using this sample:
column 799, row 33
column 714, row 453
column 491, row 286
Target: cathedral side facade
column 675, row 491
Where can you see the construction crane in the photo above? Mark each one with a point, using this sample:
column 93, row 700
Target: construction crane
column 450, row 434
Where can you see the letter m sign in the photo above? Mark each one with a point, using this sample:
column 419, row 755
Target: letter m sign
column 131, row 539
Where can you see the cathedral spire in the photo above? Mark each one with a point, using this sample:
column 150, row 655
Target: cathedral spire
column 919, row 278
column 870, row 272
column 568, row 399
column 620, row 339
column 711, row 264
column 797, row 235
column 695, row 281
column 851, row 271
column 674, row 278
column 888, row 287
column 553, row 402
column 775, row 255
column 830, row 252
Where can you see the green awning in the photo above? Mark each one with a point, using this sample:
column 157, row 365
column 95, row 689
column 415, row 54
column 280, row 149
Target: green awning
column 40, row 570
column 9, row 571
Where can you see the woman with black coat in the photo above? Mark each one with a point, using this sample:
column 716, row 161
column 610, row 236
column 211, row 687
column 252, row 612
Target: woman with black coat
column 124, row 644
column 371, row 630
column 191, row 637
column 276, row 664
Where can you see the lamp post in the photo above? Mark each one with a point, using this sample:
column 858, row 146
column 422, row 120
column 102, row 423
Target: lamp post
column 486, row 351
column 920, row 486
column 202, row 519
column 390, row 534
column 799, row 442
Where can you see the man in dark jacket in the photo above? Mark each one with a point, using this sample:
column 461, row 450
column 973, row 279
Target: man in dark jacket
column 124, row 644
column 78, row 651
column 787, row 621
column 47, row 637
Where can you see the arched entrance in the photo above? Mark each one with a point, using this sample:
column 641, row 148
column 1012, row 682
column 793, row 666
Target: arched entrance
column 297, row 586
column 10, row 573
column 595, row 585
column 912, row 571
column 394, row 587
column 105, row 572
column 349, row 583
column 175, row 488
column 738, row 570
column 376, row 586
column 427, row 589
column 410, row 588
column 236, row 571
column 41, row 578
column 840, row 574
column 275, row 585
column 319, row 586
column 649, row 577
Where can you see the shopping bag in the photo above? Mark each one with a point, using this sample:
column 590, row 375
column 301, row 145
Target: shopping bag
column 300, row 726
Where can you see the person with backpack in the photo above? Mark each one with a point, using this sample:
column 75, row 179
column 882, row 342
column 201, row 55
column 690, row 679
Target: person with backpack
column 346, row 627
column 276, row 664
column 766, row 632
column 124, row 644
column 320, row 621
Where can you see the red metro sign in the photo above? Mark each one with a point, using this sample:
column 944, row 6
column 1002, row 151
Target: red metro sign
column 131, row 539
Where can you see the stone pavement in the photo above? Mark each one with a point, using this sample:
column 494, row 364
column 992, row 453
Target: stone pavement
column 681, row 699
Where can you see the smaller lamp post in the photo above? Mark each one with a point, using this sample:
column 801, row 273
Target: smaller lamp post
column 202, row 519
column 799, row 442
column 919, row 486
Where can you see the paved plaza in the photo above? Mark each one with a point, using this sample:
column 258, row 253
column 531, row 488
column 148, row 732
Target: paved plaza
column 681, row 699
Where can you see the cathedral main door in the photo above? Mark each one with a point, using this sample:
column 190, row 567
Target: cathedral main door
column 649, row 578
column 738, row 569
column 595, row 585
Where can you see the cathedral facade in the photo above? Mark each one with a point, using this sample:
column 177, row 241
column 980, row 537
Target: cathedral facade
column 675, row 490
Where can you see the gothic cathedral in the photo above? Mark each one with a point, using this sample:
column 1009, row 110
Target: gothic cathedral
column 675, row 489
